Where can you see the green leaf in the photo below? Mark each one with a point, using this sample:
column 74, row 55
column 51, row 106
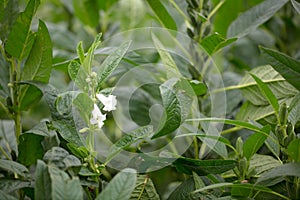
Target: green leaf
column 215, row 42
column 80, row 152
column 20, row 39
column 7, row 127
column 199, row 87
column 203, row 167
column 78, row 75
column 248, row 21
column 9, row 11
column 88, row 61
column 254, row 142
column 296, row 6
column 288, row 67
column 172, row 111
column 267, row 93
column 80, row 52
column 87, row 12
column 182, row 192
column 85, row 105
column 129, row 139
column 42, row 186
column 144, row 189
column 293, row 150
column 64, row 187
column 112, row 61
column 11, row 185
column 14, row 167
column 120, row 187
column 263, row 163
column 277, row 174
column 162, row 14
column 30, row 148
column 39, row 63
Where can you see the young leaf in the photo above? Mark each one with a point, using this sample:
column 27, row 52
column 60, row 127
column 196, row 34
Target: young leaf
column 42, row 186
column 254, row 142
column 80, row 52
column 296, row 5
column 129, row 139
column 288, row 67
column 254, row 17
column 112, row 61
column 14, row 167
column 120, row 187
column 267, row 93
column 293, row 150
column 203, row 167
column 162, row 14
column 20, row 39
column 144, row 189
column 215, row 42
column 277, row 174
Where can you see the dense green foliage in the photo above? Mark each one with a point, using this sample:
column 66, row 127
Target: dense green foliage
column 155, row 99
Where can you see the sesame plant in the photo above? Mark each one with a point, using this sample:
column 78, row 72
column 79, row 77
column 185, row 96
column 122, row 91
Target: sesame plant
column 155, row 99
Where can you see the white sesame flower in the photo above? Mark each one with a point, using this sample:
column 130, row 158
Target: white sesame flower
column 109, row 102
column 97, row 117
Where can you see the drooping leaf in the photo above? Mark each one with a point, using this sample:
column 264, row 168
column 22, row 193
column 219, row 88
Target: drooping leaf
column 129, row 139
column 296, row 5
column 277, row 174
column 267, row 93
column 39, row 63
column 288, row 67
column 112, row 61
column 14, row 167
column 42, row 186
column 254, row 142
column 215, row 42
column 162, row 14
column 120, row 187
column 144, row 189
column 254, row 17
column 293, row 150
column 172, row 112
column 64, row 187
column 30, row 148
column 203, row 167
column 21, row 38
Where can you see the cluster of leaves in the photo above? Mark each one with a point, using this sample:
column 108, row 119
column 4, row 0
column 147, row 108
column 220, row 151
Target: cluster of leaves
column 46, row 154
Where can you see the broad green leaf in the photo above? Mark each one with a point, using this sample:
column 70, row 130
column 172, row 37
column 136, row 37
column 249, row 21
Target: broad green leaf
column 172, row 112
column 39, row 63
column 288, row 67
column 254, row 17
column 30, row 148
column 128, row 140
column 6, row 196
column 40, row 129
column 42, row 186
column 166, row 58
column 21, row 38
column 215, row 42
column 61, row 158
column 198, row 181
column 183, row 190
column 112, row 61
column 263, row 163
column 267, row 93
column 293, row 150
column 80, row 152
column 254, row 142
column 64, row 187
column 277, row 174
column 162, row 14
column 203, row 167
column 14, row 167
column 120, row 187
column 87, row 12
column 199, row 87
column 278, row 85
column 296, row 5
column 9, row 11
column 67, row 129
column 11, row 185
column 144, row 189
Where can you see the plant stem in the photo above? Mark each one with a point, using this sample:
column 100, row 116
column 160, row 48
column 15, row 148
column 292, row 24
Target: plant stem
column 4, row 153
column 196, row 148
